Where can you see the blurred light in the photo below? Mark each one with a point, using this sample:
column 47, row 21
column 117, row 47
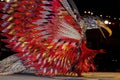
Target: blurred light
column 109, row 22
column 113, row 23
column 89, row 12
column 85, row 11
column 100, row 15
column 115, row 18
column 114, row 60
column 109, row 16
column 119, row 18
column 106, row 22
column 7, row 0
column 106, row 16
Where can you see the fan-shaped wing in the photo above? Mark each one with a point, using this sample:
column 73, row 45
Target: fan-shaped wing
column 45, row 33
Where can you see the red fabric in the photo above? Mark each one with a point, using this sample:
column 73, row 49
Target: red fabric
column 1, row 5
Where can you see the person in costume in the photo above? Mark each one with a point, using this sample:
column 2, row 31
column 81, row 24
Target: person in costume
column 48, row 37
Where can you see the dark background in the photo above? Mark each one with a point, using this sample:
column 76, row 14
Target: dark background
column 106, row 7
column 110, row 61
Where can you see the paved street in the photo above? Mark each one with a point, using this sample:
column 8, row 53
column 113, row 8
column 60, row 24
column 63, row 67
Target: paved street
column 87, row 76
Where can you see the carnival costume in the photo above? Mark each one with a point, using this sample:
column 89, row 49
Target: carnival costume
column 48, row 37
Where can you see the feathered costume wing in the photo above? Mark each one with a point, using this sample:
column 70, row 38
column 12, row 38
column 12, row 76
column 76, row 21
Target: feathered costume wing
column 46, row 36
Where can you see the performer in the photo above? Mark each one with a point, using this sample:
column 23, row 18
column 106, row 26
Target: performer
column 48, row 37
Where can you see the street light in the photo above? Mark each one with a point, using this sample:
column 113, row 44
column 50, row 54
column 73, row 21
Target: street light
column 109, row 22
column 91, row 13
column 85, row 11
column 106, row 22
column 88, row 12
column 100, row 15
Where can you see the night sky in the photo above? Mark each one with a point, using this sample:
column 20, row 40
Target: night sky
column 107, row 7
